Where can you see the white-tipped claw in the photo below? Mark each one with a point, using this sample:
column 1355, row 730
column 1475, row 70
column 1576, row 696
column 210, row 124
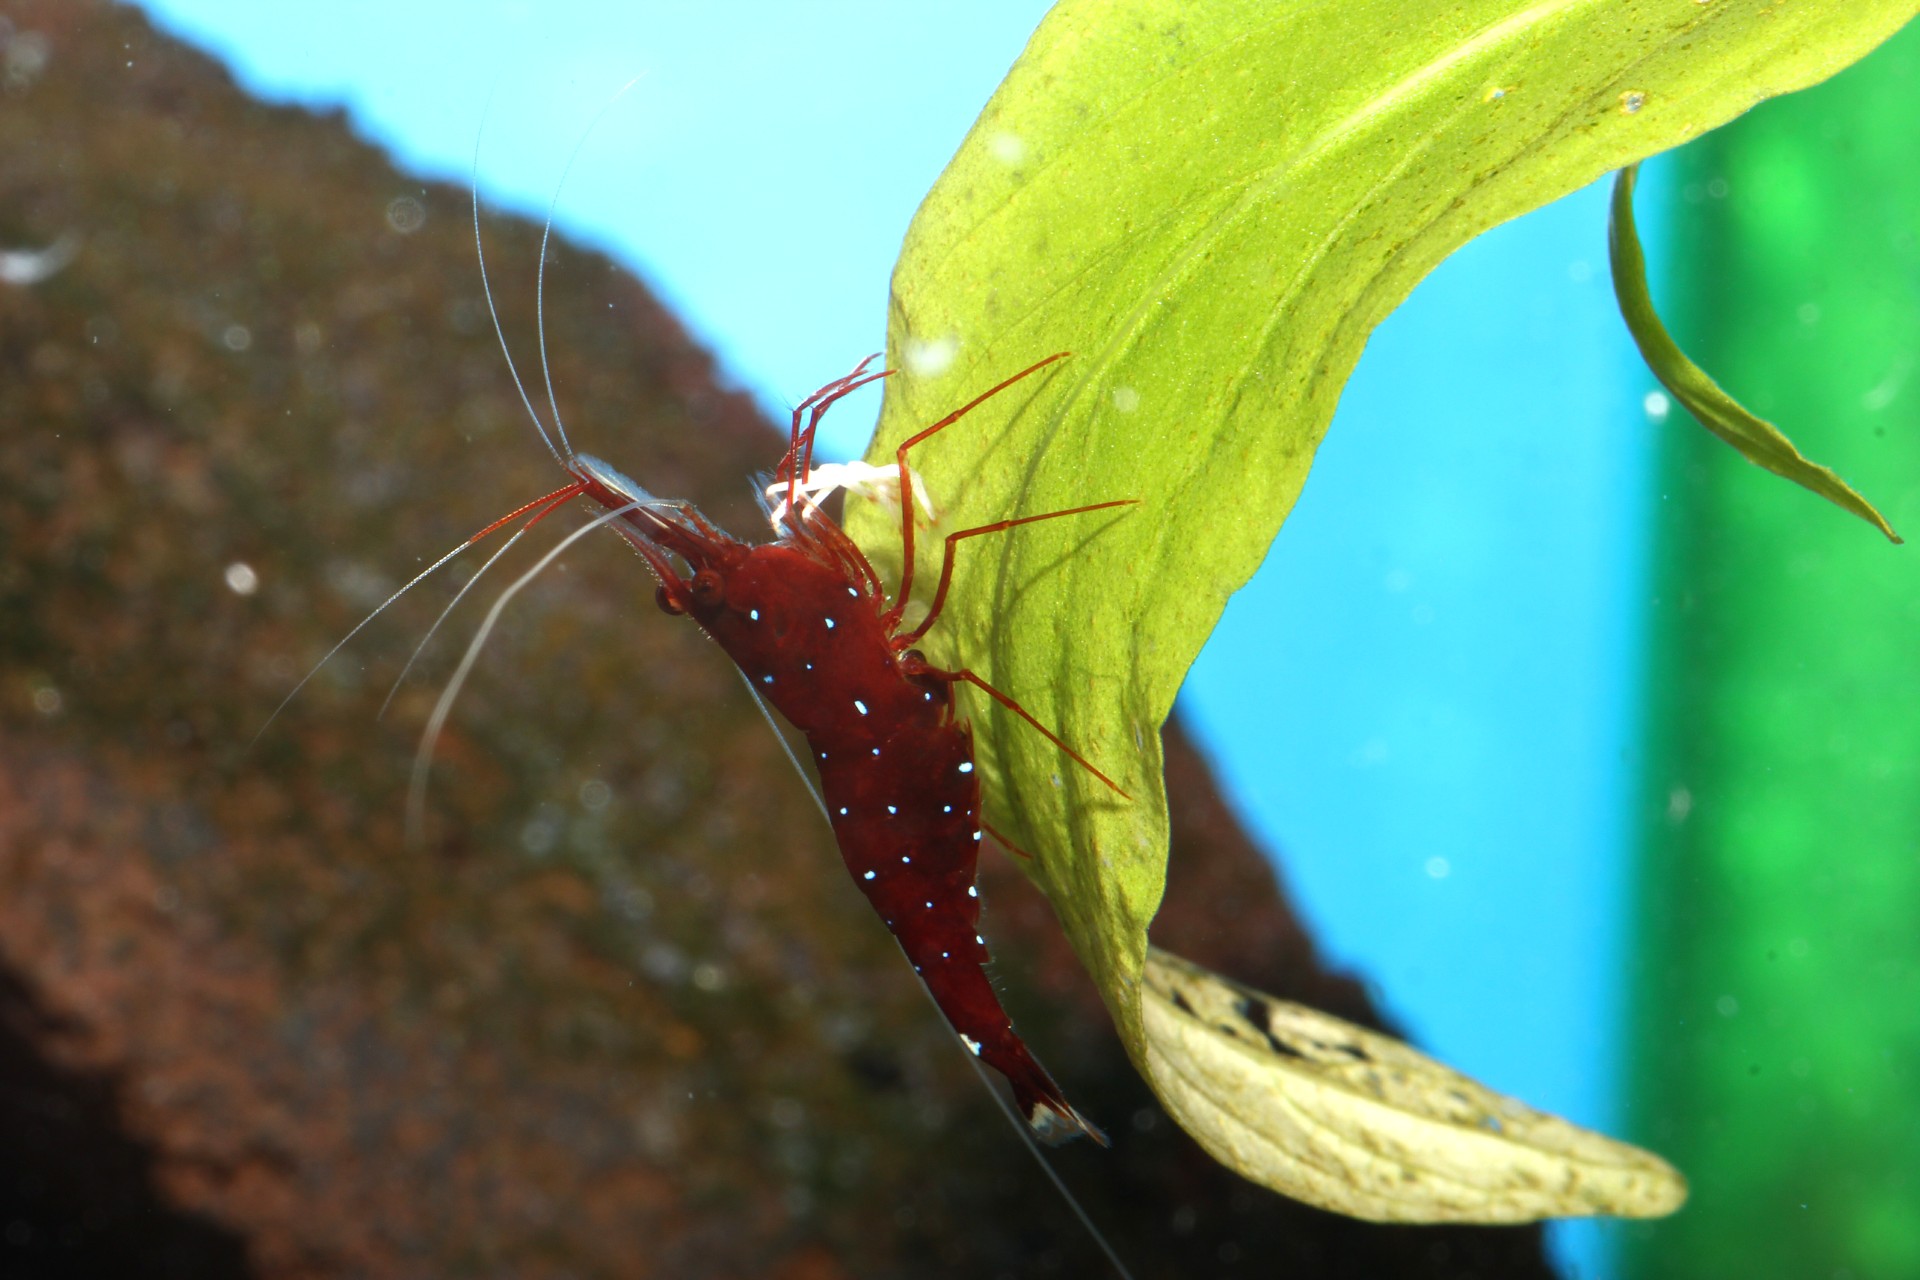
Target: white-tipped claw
column 878, row 484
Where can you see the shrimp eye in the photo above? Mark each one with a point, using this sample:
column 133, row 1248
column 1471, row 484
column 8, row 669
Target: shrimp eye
column 665, row 601
column 707, row 591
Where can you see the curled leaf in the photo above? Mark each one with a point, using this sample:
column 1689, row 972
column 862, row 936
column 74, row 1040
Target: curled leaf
column 1758, row 440
column 1357, row 1122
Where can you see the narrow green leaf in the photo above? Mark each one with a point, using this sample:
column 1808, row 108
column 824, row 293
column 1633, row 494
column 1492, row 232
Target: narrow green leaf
column 1212, row 205
column 1757, row 439
column 1357, row 1122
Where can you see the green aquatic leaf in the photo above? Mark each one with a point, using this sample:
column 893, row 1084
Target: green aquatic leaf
column 1758, row 440
column 1212, row 205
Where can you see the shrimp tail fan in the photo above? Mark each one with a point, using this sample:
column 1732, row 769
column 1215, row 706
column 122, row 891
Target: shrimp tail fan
column 1050, row 1116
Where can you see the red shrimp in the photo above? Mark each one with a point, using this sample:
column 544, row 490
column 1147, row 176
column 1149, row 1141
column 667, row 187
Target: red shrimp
column 808, row 623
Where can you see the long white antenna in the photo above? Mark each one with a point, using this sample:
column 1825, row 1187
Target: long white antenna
column 430, row 737
column 805, row 779
column 540, row 276
column 486, row 287
column 458, row 596
column 360, row 626
column 1046, row 1166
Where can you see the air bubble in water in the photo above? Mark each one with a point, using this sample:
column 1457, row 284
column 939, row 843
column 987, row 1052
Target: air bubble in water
column 406, row 215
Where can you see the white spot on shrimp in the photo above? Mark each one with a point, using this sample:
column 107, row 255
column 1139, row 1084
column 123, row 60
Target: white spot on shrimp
column 876, row 751
column 241, row 579
column 1631, row 101
column 905, row 858
column 973, row 891
column 860, row 706
column 843, row 811
column 753, row 615
column 809, row 667
column 829, row 624
column 973, row 1046
column 766, row 679
column 966, row 766
column 891, row 809
column 869, row 875
column 1126, row 399
column 929, row 906
column 946, row 808
column 1008, row 148
column 976, row 835
column 853, row 592
column 977, row 938
column 946, row 955
column 236, row 337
